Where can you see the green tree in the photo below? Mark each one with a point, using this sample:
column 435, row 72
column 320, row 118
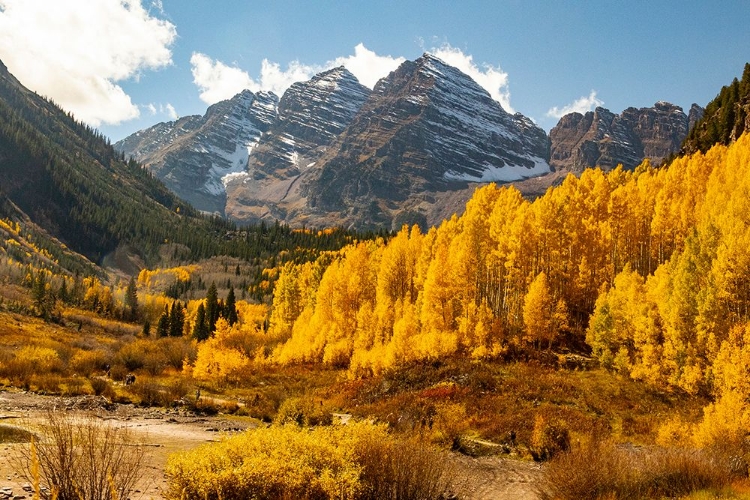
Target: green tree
column 200, row 329
column 230, row 308
column 212, row 307
column 176, row 319
column 131, row 300
column 162, row 328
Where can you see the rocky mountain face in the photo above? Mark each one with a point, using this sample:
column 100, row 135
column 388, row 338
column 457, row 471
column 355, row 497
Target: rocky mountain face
column 602, row 138
column 427, row 128
column 194, row 155
column 332, row 152
column 725, row 118
column 311, row 115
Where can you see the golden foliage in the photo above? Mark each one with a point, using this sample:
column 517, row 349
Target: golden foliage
column 659, row 256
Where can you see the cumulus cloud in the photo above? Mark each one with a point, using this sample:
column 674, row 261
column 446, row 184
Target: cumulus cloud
column 493, row 79
column 76, row 51
column 217, row 81
column 169, row 110
column 162, row 109
column 581, row 105
column 367, row 66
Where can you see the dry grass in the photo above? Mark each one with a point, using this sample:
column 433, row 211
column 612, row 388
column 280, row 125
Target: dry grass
column 82, row 459
column 13, row 434
column 603, row 470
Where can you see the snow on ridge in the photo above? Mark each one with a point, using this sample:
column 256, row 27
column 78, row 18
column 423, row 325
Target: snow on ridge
column 506, row 173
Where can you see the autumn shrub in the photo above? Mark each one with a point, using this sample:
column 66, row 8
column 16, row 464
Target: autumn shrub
column 46, row 383
column 28, row 361
column 304, row 411
column 118, row 372
column 175, row 351
column 549, row 438
column 13, row 434
column 86, row 363
column 82, row 458
column 149, row 392
column 356, row 461
column 262, row 405
column 101, row 387
column 450, row 424
column 74, row 386
column 395, row 470
column 599, row 470
column 154, row 362
column 132, row 355
column 177, row 389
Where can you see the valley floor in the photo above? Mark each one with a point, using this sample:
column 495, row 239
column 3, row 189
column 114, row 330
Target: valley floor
column 166, row 431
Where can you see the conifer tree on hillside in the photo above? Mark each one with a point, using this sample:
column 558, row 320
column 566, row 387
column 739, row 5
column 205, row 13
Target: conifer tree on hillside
column 212, row 307
column 230, row 308
column 131, row 300
column 200, row 329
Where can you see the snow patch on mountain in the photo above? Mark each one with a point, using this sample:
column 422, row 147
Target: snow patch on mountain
column 505, row 173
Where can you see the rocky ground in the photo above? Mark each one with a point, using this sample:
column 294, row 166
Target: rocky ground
column 166, row 431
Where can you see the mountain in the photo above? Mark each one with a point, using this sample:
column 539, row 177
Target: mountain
column 70, row 202
column 311, row 115
column 725, row 118
column 65, row 183
column 193, row 155
column 602, row 138
column 335, row 153
column 426, row 129
column 412, row 150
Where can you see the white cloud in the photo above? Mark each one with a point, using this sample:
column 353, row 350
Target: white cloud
column 581, row 105
column 169, row 110
column 217, row 81
column 367, row 66
column 276, row 80
column 163, row 109
column 493, row 79
column 75, row 51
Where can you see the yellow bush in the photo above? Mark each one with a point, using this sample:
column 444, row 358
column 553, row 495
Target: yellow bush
column 277, row 462
column 217, row 361
column 357, row 461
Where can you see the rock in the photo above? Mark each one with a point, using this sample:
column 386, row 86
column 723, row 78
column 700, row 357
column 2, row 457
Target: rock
column 311, row 115
column 334, row 153
column 194, row 154
column 427, row 128
column 602, row 138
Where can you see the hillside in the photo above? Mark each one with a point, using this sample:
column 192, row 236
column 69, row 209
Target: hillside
column 65, row 183
column 725, row 119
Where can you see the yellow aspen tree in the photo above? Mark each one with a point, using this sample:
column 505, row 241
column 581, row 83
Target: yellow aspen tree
column 538, row 308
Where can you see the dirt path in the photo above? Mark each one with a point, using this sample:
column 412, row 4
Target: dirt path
column 493, row 478
column 164, row 431
column 169, row 431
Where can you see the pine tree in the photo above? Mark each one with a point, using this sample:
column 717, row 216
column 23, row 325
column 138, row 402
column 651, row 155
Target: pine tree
column 212, row 307
column 131, row 299
column 200, row 330
column 162, row 328
column 230, row 308
column 176, row 320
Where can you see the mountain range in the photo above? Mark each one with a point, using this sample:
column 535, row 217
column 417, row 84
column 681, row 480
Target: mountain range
column 412, row 150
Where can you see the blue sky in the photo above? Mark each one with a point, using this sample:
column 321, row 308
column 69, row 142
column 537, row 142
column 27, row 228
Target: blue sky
column 123, row 67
